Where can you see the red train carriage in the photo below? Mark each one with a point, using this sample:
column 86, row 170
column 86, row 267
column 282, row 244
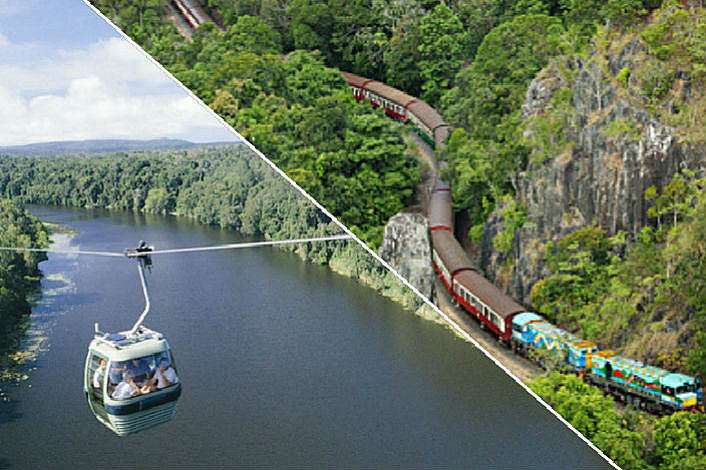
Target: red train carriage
column 448, row 256
column 429, row 123
column 440, row 210
column 392, row 100
column 356, row 84
column 401, row 106
column 192, row 12
column 486, row 302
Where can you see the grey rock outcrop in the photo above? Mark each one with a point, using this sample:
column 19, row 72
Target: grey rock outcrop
column 617, row 150
column 406, row 247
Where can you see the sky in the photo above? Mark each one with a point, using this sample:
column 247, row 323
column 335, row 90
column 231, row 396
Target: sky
column 66, row 74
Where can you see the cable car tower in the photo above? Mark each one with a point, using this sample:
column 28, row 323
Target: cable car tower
column 130, row 378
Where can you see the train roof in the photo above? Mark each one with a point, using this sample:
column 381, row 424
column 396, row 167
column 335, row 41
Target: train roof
column 440, row 212
column 554, row 331
column 353, row 79
column 526, row 317
column 675, row 380
column 198, row 11
column 398, row 96
column 490, row 295
column 645, row 371
column 450, row 252
column 426, row 114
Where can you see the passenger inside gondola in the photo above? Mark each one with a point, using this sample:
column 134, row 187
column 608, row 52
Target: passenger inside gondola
column 115, row 375
column 164, row 376
column 99, row 374
column 126, row 388
column 141, row 369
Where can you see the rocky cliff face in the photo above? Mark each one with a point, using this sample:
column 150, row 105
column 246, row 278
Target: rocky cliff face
column 406, row 247
column 609, row 148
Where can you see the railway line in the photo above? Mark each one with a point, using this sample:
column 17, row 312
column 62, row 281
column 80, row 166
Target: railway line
column 521, row 331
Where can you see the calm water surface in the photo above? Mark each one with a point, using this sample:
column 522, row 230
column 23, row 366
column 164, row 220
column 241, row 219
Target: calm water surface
column 284, row 364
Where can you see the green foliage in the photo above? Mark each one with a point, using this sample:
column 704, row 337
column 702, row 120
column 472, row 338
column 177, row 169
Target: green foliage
column 486, row 102
column 227, row 186
column 19, row 272
column 440, row 48
column 475, row 233
column 594, row 416
column 623, row 76
column 514, row 215
column 677, row 198
column 578, row 263
column 656, row 80
column 623, row 11
column 550, row 133
column 680, row 441
column 312, row 24
column 623, row 128
column 158, row 201
column 493, row 87
column 678, row 35
column 631, row 439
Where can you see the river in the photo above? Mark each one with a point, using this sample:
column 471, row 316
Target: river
column 283, row 364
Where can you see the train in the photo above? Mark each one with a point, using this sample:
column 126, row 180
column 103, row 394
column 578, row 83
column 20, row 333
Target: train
column 192, row 12
column 425, row 120
column 646, row 387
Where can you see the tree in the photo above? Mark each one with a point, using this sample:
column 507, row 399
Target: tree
column 593, row 415
column 680, row 441
column 440, row 48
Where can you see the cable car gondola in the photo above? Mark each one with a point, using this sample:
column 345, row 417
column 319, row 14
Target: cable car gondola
column 130, row 379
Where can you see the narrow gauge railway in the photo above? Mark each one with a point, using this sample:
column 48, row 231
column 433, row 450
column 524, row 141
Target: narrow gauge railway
column 632, row 382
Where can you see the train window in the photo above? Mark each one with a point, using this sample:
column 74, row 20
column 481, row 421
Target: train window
column 667, row 390
column 517, row 328
column 686, row 388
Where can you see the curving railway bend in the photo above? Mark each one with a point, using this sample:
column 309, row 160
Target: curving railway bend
column 475, row 304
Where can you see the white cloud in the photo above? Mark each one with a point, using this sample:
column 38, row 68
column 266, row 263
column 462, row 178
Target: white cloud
column 107, row 90
column 114, row 60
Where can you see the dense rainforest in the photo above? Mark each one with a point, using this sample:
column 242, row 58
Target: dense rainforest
column 577, row 158
column 227, row 186
column 19, row 275
column 292, row 107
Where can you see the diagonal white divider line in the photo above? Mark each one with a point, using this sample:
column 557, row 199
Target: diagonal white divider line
column 453, row 324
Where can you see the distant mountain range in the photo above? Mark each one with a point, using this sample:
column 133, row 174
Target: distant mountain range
column 48, row 149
